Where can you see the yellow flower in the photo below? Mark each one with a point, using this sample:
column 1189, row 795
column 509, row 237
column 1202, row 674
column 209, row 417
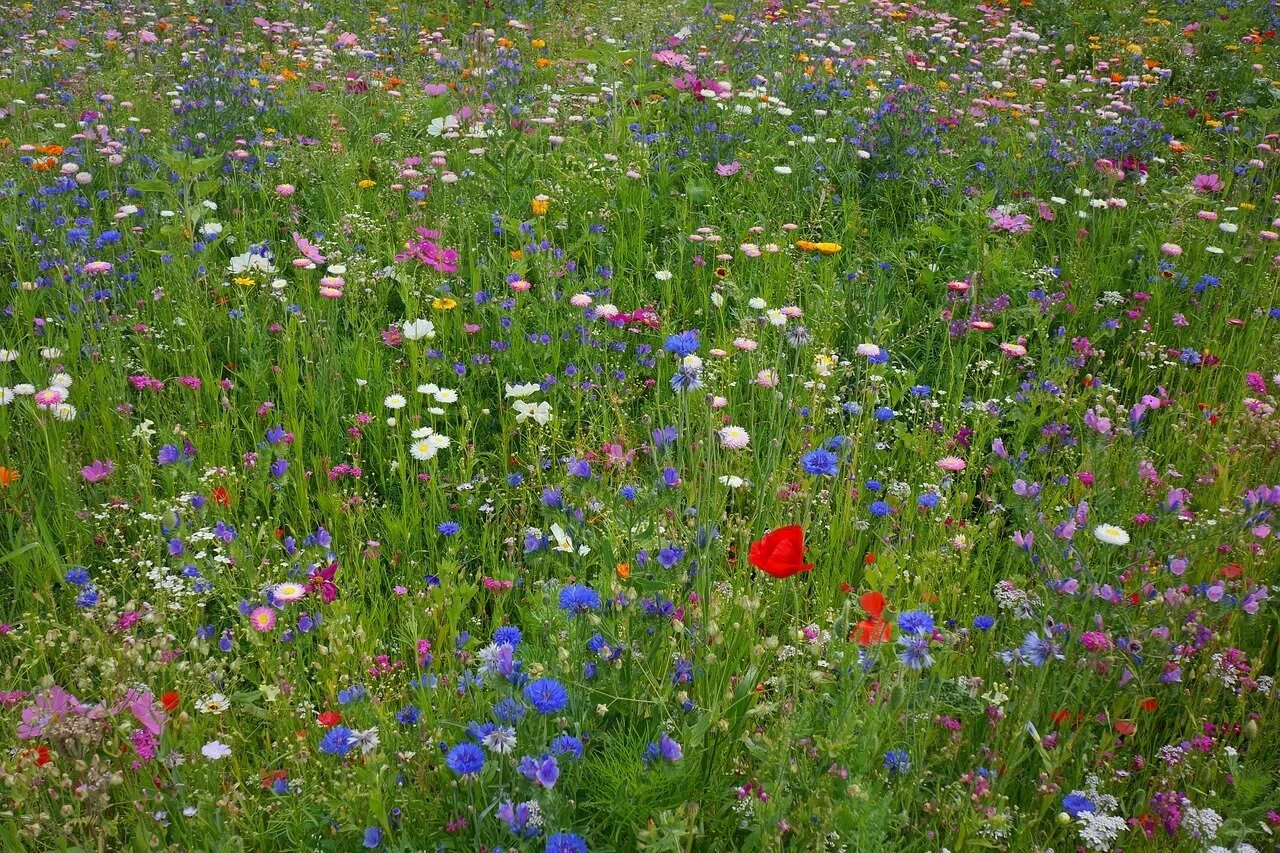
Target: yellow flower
column 243, row 280
column 366, row 183
column 540, row 205
column 444, row 303
column 538, row 44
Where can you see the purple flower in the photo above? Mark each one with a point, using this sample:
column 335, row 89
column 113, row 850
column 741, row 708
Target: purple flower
column 98, row 470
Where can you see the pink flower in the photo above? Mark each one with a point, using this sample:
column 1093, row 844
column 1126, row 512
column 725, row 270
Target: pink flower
column 951, row 464
column 1206, row 184
column 1001, row 221
column 98, row 471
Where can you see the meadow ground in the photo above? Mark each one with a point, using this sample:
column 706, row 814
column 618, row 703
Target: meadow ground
column 552, row 426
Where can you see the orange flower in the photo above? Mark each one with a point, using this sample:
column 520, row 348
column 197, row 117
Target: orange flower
column 8, row 476
column 539, row 205
column 624, row 571
column 170, row 701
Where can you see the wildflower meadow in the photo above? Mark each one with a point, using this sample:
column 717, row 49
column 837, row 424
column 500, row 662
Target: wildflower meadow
column 540, row 425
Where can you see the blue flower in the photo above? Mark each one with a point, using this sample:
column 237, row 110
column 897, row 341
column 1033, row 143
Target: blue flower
column 1076, row 805
column 337, row 741
column 983, row 622
column 542, row 771
column 897, row 761
column 465, row 759
column 372, row 837
column 78, row 576
column 820, row 463
column 915, row 652
column 508, row 635
column 565, row 842
column 683, row 343
column 915, row 622
column 448, row 528
column 408, row 715
column 1039, row 650
column 577, row 598
column 567, row 745
column 546, row 695
column 883, row 414
column 879, row 509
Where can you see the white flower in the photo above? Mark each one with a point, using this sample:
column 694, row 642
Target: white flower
column 215, row 704
column 523, row 390
column 442, row 125
column 7, row 355
column 733, row 482
column 64, row 412
column 540, row 412
column 211, row 229
column 418, row 329
column 7, row 396
column 215, row 749
column 734, row 438
column 60, row 380
column 446, row 395
column 663, row 275
column 1111, row 534
column 367, row 740
column 776, row 317
column 782, row 170
column 438, row 441
column 422, row 450
column 757, row 303
column 395, row 401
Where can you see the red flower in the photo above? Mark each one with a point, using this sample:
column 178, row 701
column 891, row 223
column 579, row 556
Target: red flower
column 875, row 629
column 221, row 497
column 329, row 719
column 1149, row 704
column 1125, row 727
column 170, row 701
column 781, row 552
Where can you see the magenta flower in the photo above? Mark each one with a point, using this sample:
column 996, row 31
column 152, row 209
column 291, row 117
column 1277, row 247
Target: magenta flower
column 1001, row 221
column 98, row 470
column 1206, row 184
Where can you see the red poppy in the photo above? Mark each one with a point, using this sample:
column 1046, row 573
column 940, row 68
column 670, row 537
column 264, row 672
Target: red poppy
column 221, row 497
column 781, row 552
column 170, row 701
column 876, row 629
column 329, row 719
column 1149, row 704
column 1125, row 727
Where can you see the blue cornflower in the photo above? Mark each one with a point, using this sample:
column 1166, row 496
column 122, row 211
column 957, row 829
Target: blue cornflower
column 577, row 598
column 883, row 414
column 567, row 745
column 337, row 741
column 1076, row 805
column 683, row 343
column 1039, row 650
column 565, row 842
column 879, row 509
column 546, row 695
column 820, row 463
column 897, row 761
column 448, row 528
column 983, row 622
column 915, row 622
column 508, row 635
column 465, row 759
column 372, row 837
column 928, row 500
column 408, row 715
column 78, row 576
column 915, row 652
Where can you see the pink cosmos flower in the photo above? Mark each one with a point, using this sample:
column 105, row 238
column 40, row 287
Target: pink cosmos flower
column 1206, row 184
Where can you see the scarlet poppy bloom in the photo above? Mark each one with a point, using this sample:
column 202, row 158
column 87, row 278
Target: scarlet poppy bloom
column 329, row 719
column 221, row 497
column 170, row 701
column 781, row 552
column 876, row 629
column 1149, row 704
column 1125, row 727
